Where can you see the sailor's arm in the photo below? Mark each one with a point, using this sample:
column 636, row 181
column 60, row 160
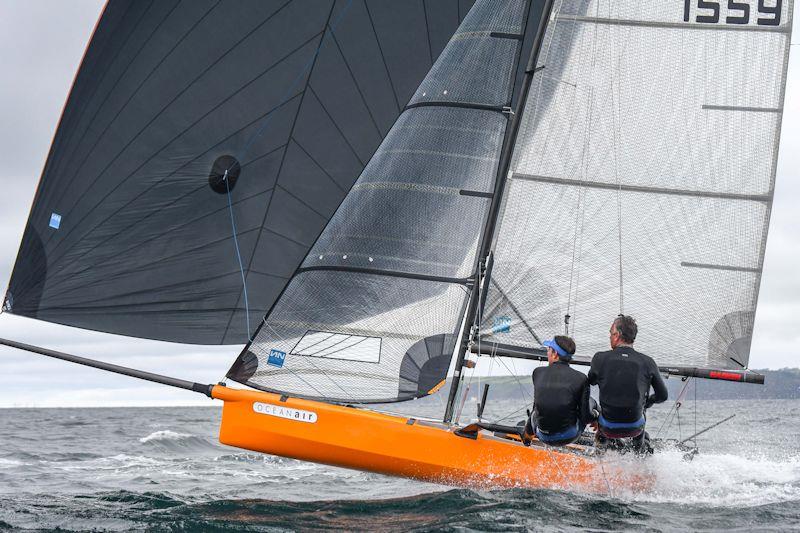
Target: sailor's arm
column 593, row 370
column 660, row 392
column 585, row 411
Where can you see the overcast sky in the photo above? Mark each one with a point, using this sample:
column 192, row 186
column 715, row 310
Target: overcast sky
column 41, row 45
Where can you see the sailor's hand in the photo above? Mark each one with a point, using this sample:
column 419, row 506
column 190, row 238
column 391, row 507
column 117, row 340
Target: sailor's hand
column 527, row 438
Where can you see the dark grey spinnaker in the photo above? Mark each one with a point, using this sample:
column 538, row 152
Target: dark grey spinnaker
column 131, row 228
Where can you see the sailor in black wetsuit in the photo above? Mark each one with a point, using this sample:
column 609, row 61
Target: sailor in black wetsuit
column 625, row 377
column 561, row 406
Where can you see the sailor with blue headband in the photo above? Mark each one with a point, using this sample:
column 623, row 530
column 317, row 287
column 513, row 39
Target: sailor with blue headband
column 561, row 403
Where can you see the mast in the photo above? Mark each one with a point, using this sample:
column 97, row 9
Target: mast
column 494, row 208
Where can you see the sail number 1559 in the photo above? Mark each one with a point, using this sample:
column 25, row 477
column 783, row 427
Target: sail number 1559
column 766, row 12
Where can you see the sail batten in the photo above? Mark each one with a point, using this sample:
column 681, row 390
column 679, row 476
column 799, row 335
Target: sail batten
column 643, row 189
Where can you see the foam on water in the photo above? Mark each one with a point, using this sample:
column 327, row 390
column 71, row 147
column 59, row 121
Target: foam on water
column 165, row 435
column 725, row 479
column 10, row 463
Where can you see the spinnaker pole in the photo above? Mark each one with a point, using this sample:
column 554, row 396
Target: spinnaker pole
column 117, row 369
column 504, row 164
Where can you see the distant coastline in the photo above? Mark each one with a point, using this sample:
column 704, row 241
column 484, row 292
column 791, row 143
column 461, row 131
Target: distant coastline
column 782, row 384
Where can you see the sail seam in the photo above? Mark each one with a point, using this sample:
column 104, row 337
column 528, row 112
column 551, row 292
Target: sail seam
column 193, row 191
column 355, row 82
column 314, row 160
column 290, row 137
column 130, row 98
column 335, row 124
column 110, row 91
column 149, row 159
column 383, row 57
column 174, row 99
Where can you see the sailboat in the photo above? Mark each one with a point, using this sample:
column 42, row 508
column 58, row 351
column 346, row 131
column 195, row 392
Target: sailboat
column 375, row 196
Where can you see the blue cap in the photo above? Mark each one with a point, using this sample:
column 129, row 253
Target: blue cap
column 559, row 350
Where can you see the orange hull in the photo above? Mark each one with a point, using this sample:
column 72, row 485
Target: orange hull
column 365, row 440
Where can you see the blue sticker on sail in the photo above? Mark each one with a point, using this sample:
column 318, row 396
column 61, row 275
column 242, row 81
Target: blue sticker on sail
column 55, row 220
column 501, row 324
column 276, row 358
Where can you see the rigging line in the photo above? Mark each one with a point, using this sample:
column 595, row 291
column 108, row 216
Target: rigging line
column 478, row 321
column 477, row 324
column 581, row 207
column 238, row 255
column 516, row 378
column 549, row 450
column 500, row 182
column 615, row 117
column 605, row 477
column 695, row 411
column 309, row 67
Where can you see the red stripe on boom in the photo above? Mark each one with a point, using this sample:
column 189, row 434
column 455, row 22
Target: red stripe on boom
column 730, row 376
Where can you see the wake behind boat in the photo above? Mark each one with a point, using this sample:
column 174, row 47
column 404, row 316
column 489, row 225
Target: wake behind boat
column 555, row 164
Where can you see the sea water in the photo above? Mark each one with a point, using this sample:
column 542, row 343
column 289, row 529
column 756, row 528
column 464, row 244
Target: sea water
column 120, row 469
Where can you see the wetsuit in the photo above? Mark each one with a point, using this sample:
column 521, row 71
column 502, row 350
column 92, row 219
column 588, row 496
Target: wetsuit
column 625, row 377
column 560, row 403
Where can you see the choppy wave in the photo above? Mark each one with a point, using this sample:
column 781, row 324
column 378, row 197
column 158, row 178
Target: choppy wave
column 725, row 480
column 10, row 463
column 455, row 509
column 169, row 440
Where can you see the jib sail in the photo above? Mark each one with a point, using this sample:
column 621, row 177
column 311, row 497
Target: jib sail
column 643, row 179
column 373, row 313
column 131, row 230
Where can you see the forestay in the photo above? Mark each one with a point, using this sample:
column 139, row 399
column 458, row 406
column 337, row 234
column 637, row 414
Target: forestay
column 643, row 178
column 374, row 311
column 132, row 230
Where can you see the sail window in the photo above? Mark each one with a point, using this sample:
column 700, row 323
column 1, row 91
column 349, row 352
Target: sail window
column 339, row 346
